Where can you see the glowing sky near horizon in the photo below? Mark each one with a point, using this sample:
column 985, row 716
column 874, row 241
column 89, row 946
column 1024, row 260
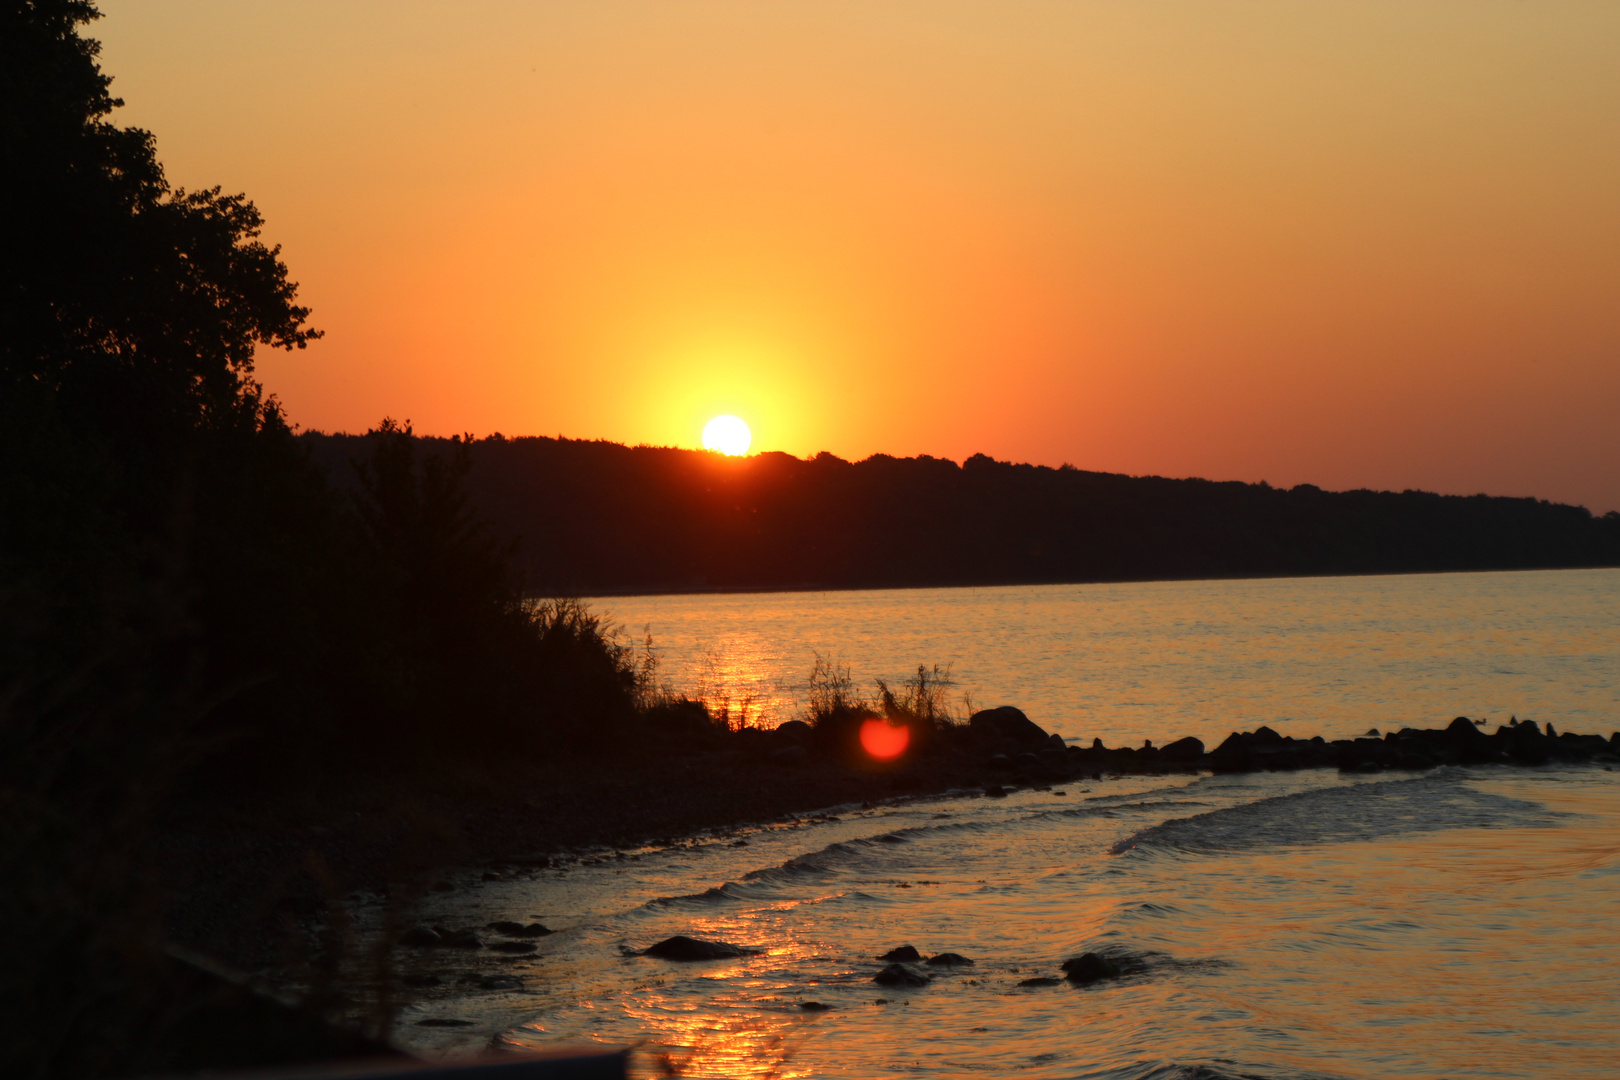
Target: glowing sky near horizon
column 1347, row 244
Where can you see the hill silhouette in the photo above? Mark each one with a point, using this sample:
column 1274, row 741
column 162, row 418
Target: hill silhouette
column 597, row 517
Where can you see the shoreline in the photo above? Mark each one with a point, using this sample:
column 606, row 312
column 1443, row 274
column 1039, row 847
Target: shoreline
column 247, row 891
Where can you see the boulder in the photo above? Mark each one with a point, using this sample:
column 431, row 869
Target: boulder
column 1188, row 749
column 796, row 730
column 420, row 937
column 900, row 975
column 1008, row 722
column 1089, row 968
column 904, row 952
column 517, row 929
column 813, row 1006
column 681, row 947
column 948, row 959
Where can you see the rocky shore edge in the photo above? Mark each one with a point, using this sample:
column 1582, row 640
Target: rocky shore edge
column 236, row 889
column 264, row 887
column 1028, row 750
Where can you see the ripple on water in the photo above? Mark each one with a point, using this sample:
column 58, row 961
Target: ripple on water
column 1297, row 926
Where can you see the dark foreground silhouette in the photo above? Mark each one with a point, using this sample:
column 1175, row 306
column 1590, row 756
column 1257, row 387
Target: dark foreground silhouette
column 598, row 518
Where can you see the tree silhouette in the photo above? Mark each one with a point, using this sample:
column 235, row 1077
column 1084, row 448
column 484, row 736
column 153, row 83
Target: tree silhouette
column 117, row 292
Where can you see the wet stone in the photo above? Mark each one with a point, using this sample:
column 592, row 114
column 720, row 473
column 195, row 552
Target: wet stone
column 948, row 959
column 683, row 948
column 1089, row 968
column 900, row 975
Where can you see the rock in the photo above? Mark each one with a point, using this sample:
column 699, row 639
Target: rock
column 442, row 1021
column 490, row 875
column 499, row 982
column 900, row 975
column 463, row 939
column 948, row 959
column 420, row 937
column 1044, row 980
column 514, row 946
column 797, row 730
column 1188, row 749
column 1008, row 722
column 813, row 1006
column 995, row 791
column 1026, row 761
column 1373, row 732
column 1000, row 761
column 681, row 947
column 1089, row 968
column 517, row 929
column 904, row 952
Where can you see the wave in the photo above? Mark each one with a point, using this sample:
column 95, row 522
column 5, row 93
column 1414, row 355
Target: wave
column 1356, row 812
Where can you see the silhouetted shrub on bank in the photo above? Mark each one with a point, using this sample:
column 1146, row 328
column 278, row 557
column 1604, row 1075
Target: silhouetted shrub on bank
column 836, row 710
column 921, row 704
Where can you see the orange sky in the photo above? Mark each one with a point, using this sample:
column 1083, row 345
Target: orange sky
column 1349, row 244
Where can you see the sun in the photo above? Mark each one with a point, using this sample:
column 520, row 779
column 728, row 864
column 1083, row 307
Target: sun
column 728, row 435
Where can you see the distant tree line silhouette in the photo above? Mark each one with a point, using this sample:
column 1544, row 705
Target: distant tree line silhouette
column 597, row 517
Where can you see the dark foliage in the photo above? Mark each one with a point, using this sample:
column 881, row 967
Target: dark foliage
column 598, row 517
column 190, row 614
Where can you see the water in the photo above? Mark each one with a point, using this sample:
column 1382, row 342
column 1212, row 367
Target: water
column 1292, row 925
column 1159, row 660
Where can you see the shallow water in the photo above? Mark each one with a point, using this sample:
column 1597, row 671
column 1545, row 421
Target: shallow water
column 1124, row 662
column 1292, row 925
column 1459, row 922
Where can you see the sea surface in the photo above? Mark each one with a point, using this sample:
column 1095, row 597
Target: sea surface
column 1123, row 662
column 1454, row 923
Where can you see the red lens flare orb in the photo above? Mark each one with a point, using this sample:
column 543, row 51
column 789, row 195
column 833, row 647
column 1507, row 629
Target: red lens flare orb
column 883, row 740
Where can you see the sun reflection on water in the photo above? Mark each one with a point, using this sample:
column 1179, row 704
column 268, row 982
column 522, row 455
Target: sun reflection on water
column 741, row 1046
